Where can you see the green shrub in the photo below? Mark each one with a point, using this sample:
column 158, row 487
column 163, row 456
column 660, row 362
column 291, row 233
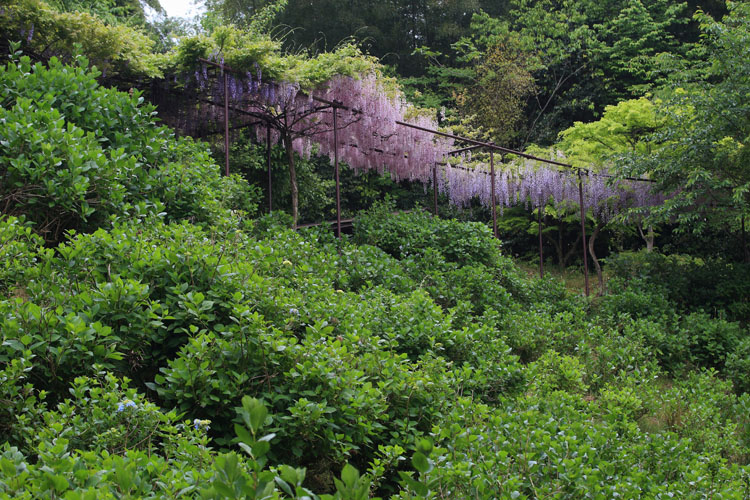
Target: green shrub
column 73, row 154
column 556, row 372
column 22, row 405
column 105, row 415
column 617, row 357
column 411, row 233
column 709, row 340
column 738, row 366
column 663, row 337
column 54, row 173
column 531, row 332
column 638, row 299
column 20, row 249
column 80, row 454
column 698, row 408
column 690, row 283
column 334, row 396
column 552, row 447
column 365, row 266
column 116, row 47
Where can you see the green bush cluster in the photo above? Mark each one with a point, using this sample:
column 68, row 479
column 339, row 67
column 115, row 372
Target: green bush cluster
column 714, row 286
column 689, row 311
column 74, row 154
column 410, row 233
column 357, row 361
column 197, row 353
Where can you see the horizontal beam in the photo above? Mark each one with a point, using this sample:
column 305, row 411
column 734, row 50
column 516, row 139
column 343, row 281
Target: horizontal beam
column 475, row 144
column 486, row 145
column 468, row 148
column 221, row 131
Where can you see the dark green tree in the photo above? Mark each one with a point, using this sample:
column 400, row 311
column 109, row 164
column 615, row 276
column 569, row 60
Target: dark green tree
column 130, row 12
column 705, row 157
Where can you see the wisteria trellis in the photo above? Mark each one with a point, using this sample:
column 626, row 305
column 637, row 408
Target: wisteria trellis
column 378, row 130
column 535, row 185
column 370, row 138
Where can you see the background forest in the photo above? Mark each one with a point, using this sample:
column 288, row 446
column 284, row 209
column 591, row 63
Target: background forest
column 167, row 331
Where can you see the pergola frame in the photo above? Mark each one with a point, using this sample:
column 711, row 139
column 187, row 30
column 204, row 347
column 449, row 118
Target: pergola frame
column 334, row 106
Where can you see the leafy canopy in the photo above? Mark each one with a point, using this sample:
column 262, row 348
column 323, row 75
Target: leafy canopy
column 707, row 128
column 625, row 127
column 112, row 47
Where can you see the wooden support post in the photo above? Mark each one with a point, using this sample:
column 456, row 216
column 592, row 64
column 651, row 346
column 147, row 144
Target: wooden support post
column 745, row 252
column 268, row 164
column 492, row 191
column 434, row 188
column 541, row 251
column 336, row 170
column 583, row 232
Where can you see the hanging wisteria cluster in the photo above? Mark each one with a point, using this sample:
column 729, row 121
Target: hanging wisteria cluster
column 533, row 185
column 369, row 138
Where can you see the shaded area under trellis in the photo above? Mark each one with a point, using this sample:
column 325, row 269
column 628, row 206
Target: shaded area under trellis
column 212, row 103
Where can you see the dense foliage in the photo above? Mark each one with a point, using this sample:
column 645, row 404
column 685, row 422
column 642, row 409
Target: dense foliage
column 703, row 152
column 411, row 361
column 156, row 340
column 75, row 154
column 357, row 355
column 47, row 31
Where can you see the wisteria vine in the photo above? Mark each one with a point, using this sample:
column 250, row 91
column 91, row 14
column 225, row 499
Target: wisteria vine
column 534, row 185
column 369, row 138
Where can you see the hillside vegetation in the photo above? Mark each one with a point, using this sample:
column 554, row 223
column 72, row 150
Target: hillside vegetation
column 159, row 342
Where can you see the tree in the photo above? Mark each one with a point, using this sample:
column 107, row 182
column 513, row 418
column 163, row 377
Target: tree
column 46, row 32
column 626, row 127
column 389, row 30
column 131, row 12
column 705, row 159
column 591, row 54
column 494, row 101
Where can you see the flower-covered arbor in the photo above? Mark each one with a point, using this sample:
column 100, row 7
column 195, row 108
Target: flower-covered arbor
column 363, row 119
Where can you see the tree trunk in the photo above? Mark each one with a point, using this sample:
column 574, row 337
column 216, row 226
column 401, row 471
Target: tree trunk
column 648, row 238
column 563, row 256
column 598, row 268
column 292, row 177
column 745, row 252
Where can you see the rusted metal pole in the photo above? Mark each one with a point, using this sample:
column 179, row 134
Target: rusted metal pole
column 462, row 150
column 583, row 232
column 336, row 170
column 492, row 191
column 268, row 164
column 226, row 125
column 745, row 251
column 541, row 251
column 434, row 188
column 489, row 145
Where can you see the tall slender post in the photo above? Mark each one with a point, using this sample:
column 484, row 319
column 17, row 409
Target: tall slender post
column 268, row 164
column 226, row 123
column 434, row 188
column 745, row 251
column 541, row 252
column 583, row 232
column 492, row 191
column 336, row 170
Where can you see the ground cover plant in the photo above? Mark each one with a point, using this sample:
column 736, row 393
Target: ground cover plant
column 159, row 341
